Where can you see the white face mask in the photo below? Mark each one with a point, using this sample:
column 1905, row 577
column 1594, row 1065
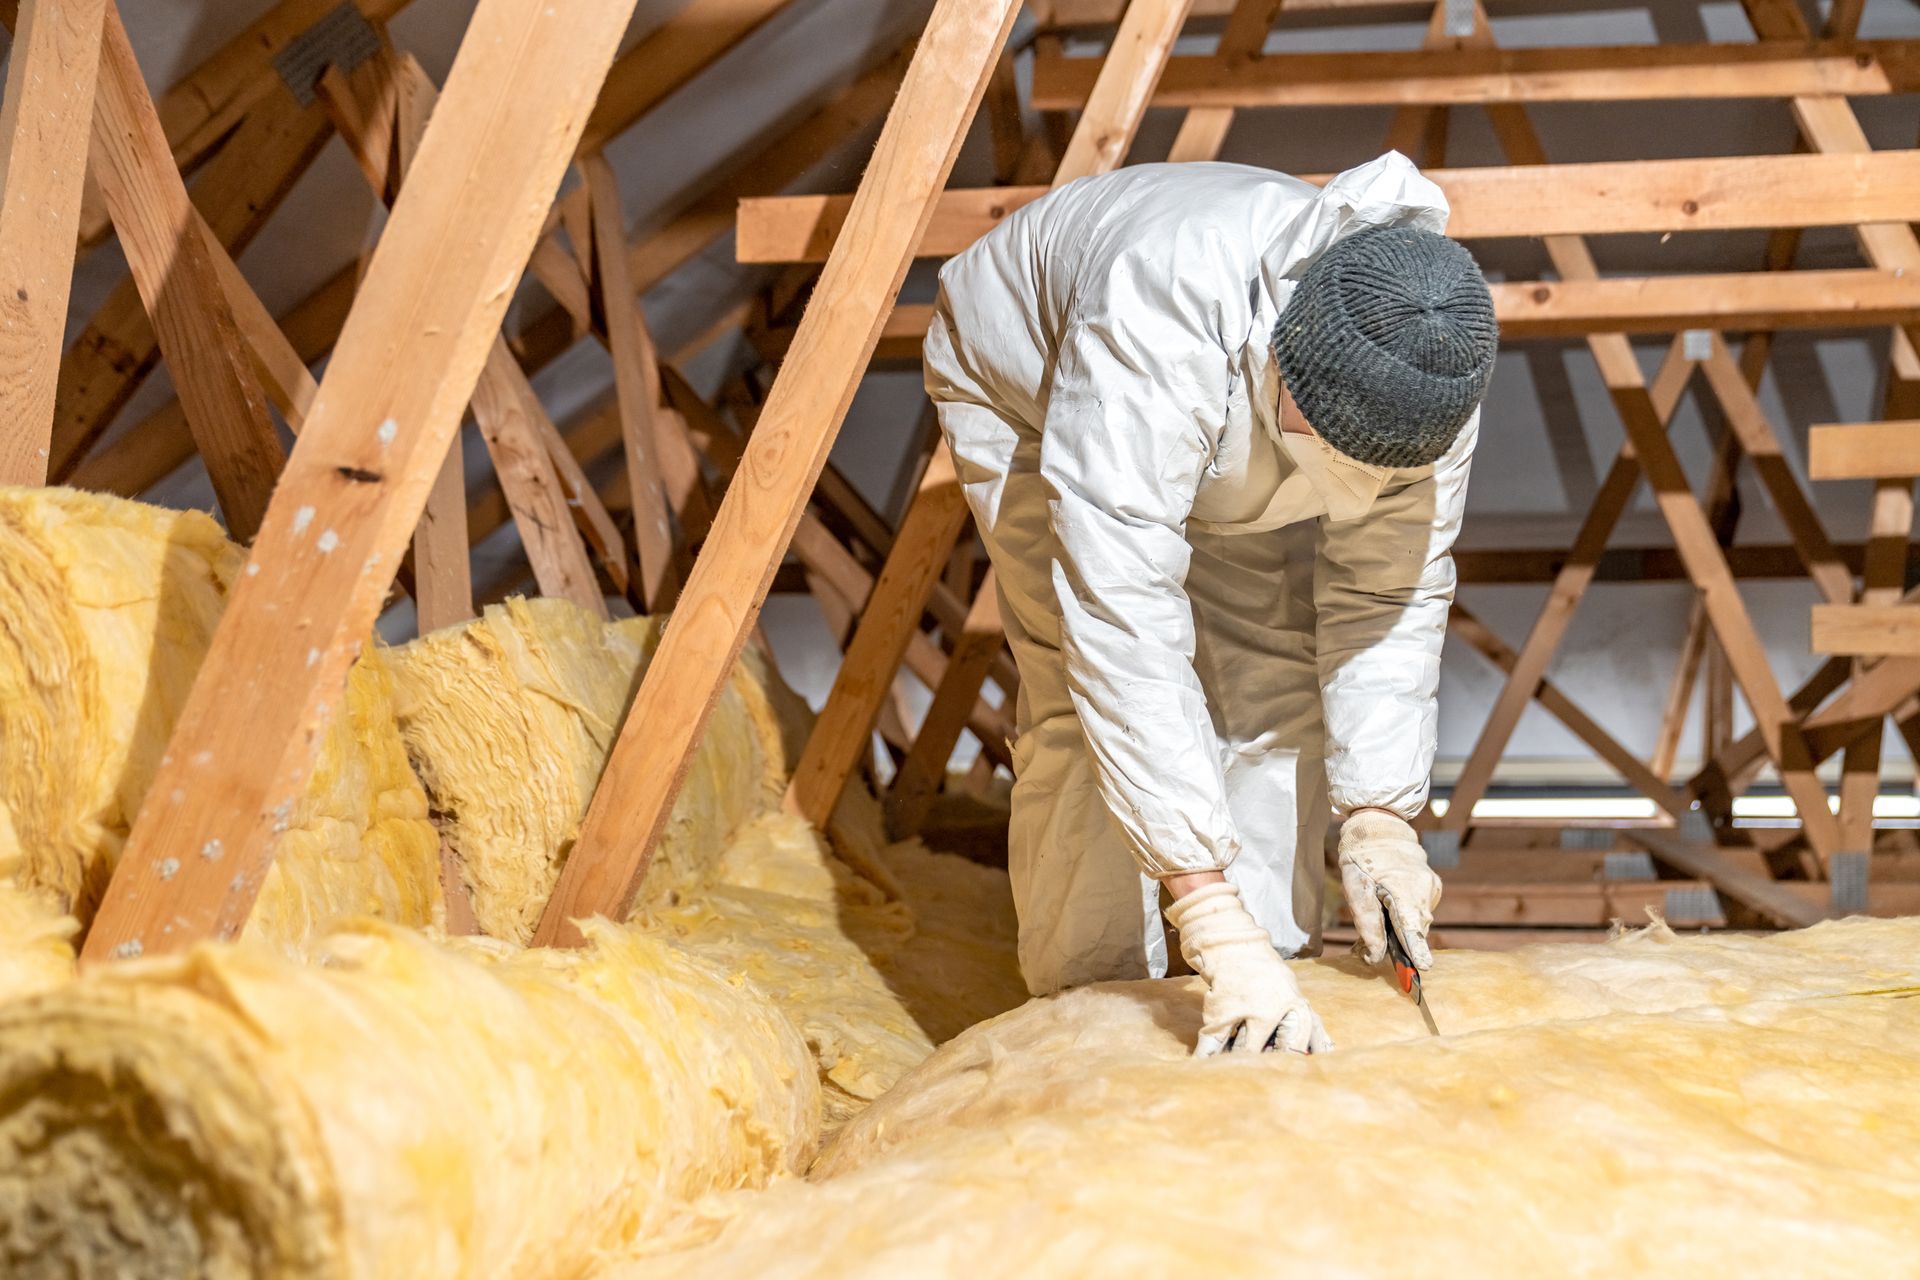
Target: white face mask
column 1348, row 488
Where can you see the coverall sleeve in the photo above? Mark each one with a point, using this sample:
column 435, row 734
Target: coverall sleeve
column 1131, row 424
column 1382, row 586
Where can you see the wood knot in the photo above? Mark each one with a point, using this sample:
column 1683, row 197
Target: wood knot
column 1542, row 294
column 360, row 475
column 1690, row 207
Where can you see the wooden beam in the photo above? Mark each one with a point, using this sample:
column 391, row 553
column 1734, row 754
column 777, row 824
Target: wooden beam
column 891, row 617
column 172, row 264
column 1204, row 129
column 1461, row 77
column 515, row 427
column 1751, row 889
column 1532, row 309
column 764, row 502
column 236, row 192
column 44, row 126
column 1867, row 630
column 384, row 135
column 1863, row 450
column 637, row 381
column 354, row 488
column 1717, row 194
column 1759, row 441
column 924, row 771
column 1122, row 85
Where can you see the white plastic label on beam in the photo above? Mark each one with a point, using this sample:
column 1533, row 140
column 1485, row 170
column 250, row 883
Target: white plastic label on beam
column 1697, row 344
column 1459, row 18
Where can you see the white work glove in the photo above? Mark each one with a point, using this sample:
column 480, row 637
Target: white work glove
column 1379, row 851
column 1253, row 1003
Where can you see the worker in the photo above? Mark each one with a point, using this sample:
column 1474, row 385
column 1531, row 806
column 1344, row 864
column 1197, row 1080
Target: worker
column 1214, row 426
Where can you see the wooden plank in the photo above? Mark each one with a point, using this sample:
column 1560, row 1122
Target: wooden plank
column 1760, row 442
column 514, row 425
column 1749, row 888
column 763, row 503
column 384, row 135
column 1844, row 298
column 1204, row 129
column 1867, row 630
column 1123, row 85
column 44, row 127
column 1612, row 197
column 924, row 770
column 1673, row 716
column 1463, row 77
column 1863, row 450
column 236, row 193
column 890, row 619
column 354, row 488
column 168, row 254
column 637, row 381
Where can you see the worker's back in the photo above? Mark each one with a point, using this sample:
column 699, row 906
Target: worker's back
column 1183, row 244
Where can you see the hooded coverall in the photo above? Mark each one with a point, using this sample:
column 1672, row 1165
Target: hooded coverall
column 1219, row 629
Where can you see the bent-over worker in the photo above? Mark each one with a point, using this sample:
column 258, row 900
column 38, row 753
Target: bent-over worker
column 1214, row 425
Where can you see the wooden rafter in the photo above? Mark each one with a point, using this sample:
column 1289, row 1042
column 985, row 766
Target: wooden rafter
column 916, row 151
column 44, row 127
column 1609, row 197
column 358, row 479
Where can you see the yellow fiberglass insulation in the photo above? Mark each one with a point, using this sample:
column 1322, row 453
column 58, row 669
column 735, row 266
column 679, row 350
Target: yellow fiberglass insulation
column 106, row 611
column 509, row 721
column 404, row 1109
column 36, row 941
column 775, row 914
column 1657, row 1106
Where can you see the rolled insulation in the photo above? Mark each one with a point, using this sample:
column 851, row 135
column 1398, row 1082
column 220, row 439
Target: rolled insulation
column 404, row 1109
column 782, row 930
column 106, row 611
column 1574, row 1120
column 509, row 721
column 36, row 941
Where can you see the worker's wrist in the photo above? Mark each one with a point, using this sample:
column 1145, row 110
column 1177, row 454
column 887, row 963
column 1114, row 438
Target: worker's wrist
column 1183, row 883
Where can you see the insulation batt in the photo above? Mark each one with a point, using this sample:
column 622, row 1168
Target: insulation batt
column 509, row 721
column 106, row 611
column 1657, row 1106
column 403, row 1109
column 36, row 941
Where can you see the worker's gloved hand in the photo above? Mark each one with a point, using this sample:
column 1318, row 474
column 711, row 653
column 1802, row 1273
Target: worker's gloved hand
column 1380, row 851
column 1253, row 1003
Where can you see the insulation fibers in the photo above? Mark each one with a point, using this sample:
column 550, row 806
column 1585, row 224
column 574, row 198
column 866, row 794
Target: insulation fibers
column 781, row 929
column 1657, row 1106
column 401, row 1109
column 509, row 721
column 36, row 941
column 106, row 611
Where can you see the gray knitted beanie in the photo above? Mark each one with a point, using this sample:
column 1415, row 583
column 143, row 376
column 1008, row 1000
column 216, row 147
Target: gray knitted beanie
column 1387, row 345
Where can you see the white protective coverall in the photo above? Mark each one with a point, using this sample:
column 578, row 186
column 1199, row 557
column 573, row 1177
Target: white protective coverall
column 1189, row 596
